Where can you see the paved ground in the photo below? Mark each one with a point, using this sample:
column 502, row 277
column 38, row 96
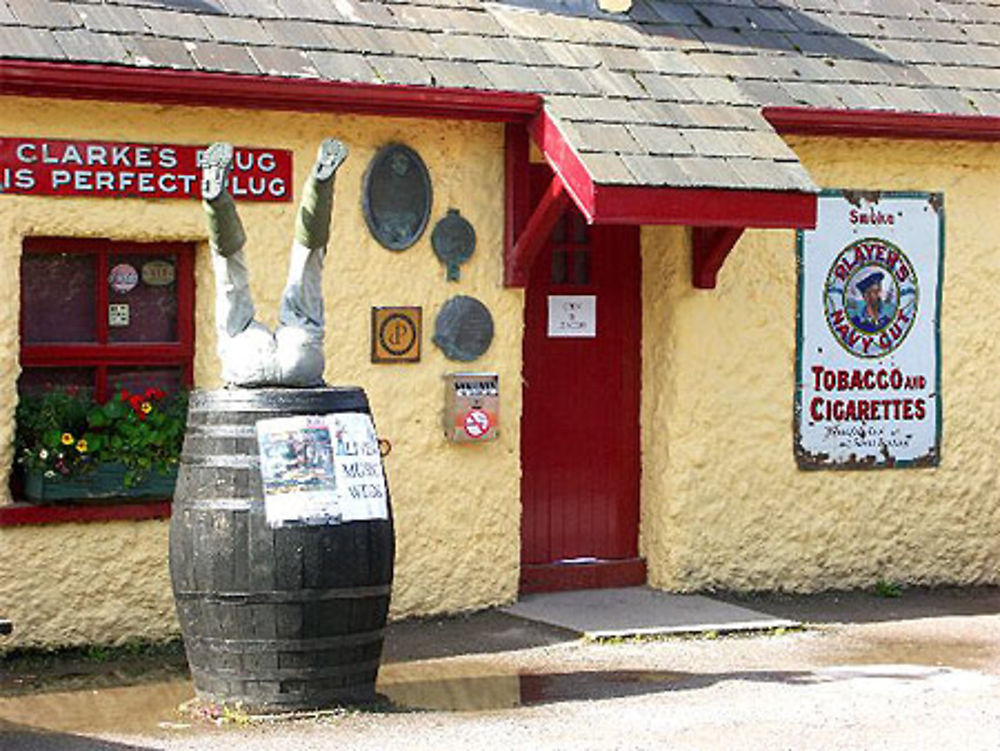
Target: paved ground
column 919, row 671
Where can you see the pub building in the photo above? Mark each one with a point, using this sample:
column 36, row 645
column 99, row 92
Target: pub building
column 607, row 275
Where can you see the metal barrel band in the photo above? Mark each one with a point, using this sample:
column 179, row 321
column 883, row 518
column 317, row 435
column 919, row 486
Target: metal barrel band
column 286, row 596
column 249, row 646
column 277, row 674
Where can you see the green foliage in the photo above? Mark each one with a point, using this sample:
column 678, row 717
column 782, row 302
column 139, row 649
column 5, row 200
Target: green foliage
column 888, row 589
column 66, row 433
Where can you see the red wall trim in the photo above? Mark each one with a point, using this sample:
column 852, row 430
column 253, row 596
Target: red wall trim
column 564, row 162
column 705, row 207
column 879, row 124
column 18, row 514
column 74, row 81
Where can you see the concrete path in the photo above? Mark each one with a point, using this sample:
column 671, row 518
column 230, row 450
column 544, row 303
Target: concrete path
column 639, row 611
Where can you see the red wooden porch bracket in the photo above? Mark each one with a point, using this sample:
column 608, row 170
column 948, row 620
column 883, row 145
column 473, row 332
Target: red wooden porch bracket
column 543, row 219
column 709, row 248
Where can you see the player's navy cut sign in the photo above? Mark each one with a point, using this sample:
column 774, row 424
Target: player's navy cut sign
column 396, row 333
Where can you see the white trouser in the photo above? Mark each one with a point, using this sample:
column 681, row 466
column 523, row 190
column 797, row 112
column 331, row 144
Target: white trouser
column 253, row 355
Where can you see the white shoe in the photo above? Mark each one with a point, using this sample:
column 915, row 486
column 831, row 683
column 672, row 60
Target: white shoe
column 329, row 157
column 216, row 163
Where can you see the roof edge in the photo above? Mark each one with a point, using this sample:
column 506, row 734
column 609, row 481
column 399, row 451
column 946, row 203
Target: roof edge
column 654, row 204
column 199, row 88
column 815, row 121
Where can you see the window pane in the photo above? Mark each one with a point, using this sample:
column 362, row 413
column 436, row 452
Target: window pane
column 38, row 380
column 59, row 297
column 138, row 379
column 151, row 313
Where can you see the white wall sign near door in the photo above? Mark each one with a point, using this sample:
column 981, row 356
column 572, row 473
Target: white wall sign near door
column 868, row 372
column 572, row 316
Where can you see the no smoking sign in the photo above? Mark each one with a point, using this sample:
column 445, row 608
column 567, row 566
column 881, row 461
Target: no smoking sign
column 477, row 423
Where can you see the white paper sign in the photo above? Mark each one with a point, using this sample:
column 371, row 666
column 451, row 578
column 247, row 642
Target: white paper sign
column 572, row 316
column 322, row 469
column 867, row 392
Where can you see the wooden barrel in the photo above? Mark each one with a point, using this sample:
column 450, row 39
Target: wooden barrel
column 273, row 617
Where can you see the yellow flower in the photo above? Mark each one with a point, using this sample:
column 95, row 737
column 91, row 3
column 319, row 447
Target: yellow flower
column 67, row 439
column 81, row 446
column 146, row 407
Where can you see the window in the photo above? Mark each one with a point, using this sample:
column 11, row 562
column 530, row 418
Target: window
column 98, row 315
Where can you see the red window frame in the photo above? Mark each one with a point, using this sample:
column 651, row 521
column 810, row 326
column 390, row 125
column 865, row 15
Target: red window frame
column 101, row 354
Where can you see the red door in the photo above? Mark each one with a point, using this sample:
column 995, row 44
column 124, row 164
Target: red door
column 580, row 432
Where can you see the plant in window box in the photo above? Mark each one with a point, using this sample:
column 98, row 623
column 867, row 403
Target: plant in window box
column 73, row 448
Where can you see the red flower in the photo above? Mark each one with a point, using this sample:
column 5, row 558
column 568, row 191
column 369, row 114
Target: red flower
column 153, row 393
column 125, row 395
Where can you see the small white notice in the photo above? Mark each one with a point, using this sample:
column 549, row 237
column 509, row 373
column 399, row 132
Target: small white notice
column 572, row 316
column 322, row 469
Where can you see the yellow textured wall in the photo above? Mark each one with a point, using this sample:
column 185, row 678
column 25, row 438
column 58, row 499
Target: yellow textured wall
column 456, row 507
column 723, row 504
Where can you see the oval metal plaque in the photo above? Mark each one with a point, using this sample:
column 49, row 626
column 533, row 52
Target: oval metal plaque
column 453, row 240
column 463, row 328
column 396, row 199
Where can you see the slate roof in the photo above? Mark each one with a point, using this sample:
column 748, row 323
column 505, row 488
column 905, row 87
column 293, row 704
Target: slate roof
column 668, row 94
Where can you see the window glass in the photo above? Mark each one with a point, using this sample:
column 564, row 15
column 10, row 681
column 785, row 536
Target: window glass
column 143, row 289
column 39, row 380
column 59, row 297
column 137, row 379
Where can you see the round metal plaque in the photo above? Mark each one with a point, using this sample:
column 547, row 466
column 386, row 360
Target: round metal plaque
column 454, row 241
column 463, row 328
column 396, row 199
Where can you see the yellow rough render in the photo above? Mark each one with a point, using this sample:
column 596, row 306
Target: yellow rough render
column 457, row 509
column 724, row 505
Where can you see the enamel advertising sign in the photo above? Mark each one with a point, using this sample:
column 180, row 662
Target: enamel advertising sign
column 103, row 169
column 868, row 366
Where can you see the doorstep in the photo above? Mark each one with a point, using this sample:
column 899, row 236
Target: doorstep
column 637, row 611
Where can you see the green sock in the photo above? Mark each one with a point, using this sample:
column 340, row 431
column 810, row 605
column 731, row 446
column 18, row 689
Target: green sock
column 224, row 226
column 312, row 226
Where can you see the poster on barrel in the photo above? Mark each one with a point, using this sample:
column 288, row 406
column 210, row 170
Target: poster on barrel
column 868, row 346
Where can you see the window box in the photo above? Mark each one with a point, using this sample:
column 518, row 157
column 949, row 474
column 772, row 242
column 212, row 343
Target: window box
column 105, row 482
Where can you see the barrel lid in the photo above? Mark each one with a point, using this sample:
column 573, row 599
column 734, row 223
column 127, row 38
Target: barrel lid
column 291, row 400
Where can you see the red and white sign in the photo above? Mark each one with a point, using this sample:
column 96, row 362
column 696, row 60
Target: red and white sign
column 477, row 423
column 103, row 169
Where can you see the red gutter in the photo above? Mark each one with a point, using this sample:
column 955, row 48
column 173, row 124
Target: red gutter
column 160, row 86
column 809, row 121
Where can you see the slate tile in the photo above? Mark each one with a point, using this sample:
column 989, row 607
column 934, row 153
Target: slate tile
column 607, row 169
column 235, row 30
column 861, row 71
column 281, row 61
column 810, row 94
column 660, row 140
column 456, row 75
column 985, row 102
column 520, row 51
column 614, row 84
column 410, row 43
column 112, row 18
column 949, row 76
column 984, row 33
column 947, row 101
column 565, row 81
column 672, row 62
column 400, row 70
column 511, row 77
column 45, row 14
column 170, row 24
column 356, row 39
column 230, row 58
column 6, row 16
column 721, row 115
column 613, row 32
column 341, row 66
column 680, row 38
column 25, row 42
column 620, row 58
column 85, row 46
column 253, row 8
column 676, row 13
column 465, row 47
column 905, row 99
column 366, row 13
column 604, row 110
column 565, row 107
column 857, row 96
column 715, row 142
column 768, row 93
column 603, row 137
column 759, row 174
column 469, row 22
column 568, row 55
column 710, row 172
column 524, row 24
column 153, row 52
column 658, row 112
column 769, row 20
column 715, row 90
column 310, row 10
column 666, row 88
column 767, row 145
column 295, row 34
column 657, row 171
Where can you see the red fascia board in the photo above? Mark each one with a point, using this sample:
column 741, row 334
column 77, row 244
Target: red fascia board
column 643, row 204
column 198, row 88
column 705, row 207
column 18, row 514
column 810, row 121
